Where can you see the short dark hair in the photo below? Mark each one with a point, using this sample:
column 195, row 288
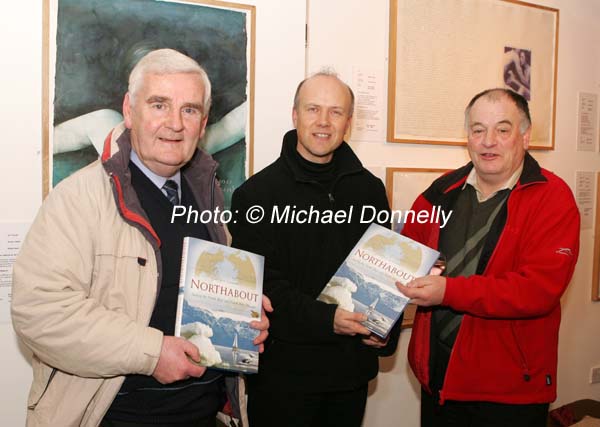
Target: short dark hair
column 519, row 100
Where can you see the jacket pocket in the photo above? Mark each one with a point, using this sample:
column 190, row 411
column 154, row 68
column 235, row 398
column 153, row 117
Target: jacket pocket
column 125, row 283
column 521, row 352
column 43, row 376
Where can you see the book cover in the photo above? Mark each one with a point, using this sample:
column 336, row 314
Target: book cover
column 366, row 280
column 220, row 292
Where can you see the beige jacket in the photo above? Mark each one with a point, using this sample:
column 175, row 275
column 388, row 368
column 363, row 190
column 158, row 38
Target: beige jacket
column 85, row 284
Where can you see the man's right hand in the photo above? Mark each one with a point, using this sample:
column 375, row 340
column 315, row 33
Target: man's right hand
column 348, row 323
column 173, row 363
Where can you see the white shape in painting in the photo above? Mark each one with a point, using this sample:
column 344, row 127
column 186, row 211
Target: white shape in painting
column 339, row 289
column 201, row 339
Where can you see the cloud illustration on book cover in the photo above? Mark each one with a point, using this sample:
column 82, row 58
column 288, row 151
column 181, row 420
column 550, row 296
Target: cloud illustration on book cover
column 395, row 247
column 235, row 268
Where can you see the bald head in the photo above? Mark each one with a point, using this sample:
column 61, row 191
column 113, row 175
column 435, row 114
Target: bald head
column 322, row 115
column 320, row 74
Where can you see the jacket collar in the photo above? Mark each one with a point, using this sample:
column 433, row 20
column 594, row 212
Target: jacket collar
column 345, row 160
column 115, row 160
column 117, row 152
column 532, row 174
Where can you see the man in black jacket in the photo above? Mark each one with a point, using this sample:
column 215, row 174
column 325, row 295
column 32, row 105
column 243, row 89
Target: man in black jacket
column 302, row 214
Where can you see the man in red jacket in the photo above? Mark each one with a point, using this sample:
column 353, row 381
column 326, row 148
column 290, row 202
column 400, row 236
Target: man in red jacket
column 484, row 343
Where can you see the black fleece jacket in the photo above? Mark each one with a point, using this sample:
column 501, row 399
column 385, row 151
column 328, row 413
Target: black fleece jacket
column 302, row 352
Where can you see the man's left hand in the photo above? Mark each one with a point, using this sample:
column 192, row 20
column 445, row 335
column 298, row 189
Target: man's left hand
column 263, row 325
column 425, row 291
column 375, row 341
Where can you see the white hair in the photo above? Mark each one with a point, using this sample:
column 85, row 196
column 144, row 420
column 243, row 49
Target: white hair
column 168, row 61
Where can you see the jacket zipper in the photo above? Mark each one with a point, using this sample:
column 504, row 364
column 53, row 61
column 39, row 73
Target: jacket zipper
column 213, row 186
column 213, row 231
column 330, row 196
column 212, row 191
column 130, row 215
column 524, row 364
column 142, row 223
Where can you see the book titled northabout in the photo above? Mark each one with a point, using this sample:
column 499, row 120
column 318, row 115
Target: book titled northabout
column 366, row 280
column 220, row 293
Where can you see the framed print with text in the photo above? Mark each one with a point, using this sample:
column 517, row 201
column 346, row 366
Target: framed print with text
column 90, row 47
column 443, row 52
column 596, row 258
column 403, row 186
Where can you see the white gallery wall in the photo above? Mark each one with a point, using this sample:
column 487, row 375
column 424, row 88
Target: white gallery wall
column 343, row 34
column 20, row 162
column 280, row 59
column 347, row 34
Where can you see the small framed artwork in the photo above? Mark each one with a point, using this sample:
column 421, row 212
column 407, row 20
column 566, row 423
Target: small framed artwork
column 89, row 49
column 403, row 186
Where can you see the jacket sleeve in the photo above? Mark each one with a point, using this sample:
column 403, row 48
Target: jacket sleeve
column 52, row 309
column 542, row 263
column 296, row 316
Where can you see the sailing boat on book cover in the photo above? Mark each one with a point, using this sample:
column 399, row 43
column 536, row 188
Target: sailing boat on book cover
column 220, row 293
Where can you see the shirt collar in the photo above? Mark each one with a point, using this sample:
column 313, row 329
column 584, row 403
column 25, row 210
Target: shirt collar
column 509, row 184
column 157, row 180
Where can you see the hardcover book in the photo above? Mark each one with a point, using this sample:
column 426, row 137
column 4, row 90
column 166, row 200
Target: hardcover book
column 366, row 280
column 220, row 292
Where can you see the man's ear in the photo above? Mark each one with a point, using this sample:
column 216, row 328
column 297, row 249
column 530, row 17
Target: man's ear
column 127, row 110
column 295, row 118
column 203, row 127
column 348, row 130
column 526, row 138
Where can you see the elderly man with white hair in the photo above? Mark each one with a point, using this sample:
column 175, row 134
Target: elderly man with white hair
column 96, row 283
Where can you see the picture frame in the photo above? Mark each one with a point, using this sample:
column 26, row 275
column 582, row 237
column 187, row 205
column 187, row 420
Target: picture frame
column 596, row 254
column 442, row 53
column 89, row 49
column 403, row 186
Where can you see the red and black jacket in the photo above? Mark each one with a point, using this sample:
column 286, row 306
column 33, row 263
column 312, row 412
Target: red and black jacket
column 506, row 348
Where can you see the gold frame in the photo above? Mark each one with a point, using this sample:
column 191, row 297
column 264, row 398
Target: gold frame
column 411, row 309
column 596, row 258
column 395, row 136
column 46, row 172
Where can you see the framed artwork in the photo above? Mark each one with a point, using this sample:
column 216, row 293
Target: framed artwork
column 90, row 47
column 596, row 260
column 403, row 186
column 443, row 52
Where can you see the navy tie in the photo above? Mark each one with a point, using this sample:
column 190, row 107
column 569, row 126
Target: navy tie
column 170, row 188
